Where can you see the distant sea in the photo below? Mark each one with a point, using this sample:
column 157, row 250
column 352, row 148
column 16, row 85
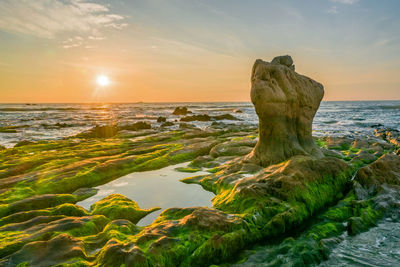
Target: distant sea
column 54, row 121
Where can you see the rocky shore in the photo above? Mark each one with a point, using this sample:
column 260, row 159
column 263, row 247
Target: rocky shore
column 275, row 184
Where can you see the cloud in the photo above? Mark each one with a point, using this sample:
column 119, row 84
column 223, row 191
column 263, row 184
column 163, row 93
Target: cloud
column 54, row 18
column 347, row 2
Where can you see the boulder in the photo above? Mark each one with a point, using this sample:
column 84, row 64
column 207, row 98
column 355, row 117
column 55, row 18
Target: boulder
column 286, row 103
column 105, row 131
column 161, row 119
column 203, row 117
column 386, row 170
column 225, row 117
column 181, row 111
column 140, row 125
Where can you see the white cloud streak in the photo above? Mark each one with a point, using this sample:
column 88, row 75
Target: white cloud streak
column 53, row 18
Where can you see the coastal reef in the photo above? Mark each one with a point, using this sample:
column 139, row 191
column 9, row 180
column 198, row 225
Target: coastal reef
column 275, row 185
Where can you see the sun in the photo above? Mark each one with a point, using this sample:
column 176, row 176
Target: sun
column 102, row 80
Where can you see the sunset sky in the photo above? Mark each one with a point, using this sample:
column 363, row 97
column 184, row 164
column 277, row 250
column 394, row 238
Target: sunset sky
column 193, row 50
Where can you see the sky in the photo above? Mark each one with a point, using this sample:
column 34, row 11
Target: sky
column 193, row 50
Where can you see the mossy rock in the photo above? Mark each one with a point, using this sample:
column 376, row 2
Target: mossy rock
column 117, row 206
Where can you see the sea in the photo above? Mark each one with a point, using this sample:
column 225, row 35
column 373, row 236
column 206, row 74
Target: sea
column 35, row 122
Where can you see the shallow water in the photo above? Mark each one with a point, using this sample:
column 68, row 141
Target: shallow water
column 54, row 121
column 160, row 188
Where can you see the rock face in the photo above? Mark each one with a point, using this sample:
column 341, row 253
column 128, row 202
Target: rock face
column 286, row 103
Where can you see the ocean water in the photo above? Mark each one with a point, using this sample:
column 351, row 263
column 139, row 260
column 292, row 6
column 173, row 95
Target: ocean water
column 54, row 121
column 158, row 188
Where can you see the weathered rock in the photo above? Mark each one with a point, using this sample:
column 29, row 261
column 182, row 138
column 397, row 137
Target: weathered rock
column 225, row 117
column 386, row 170
column 390, row 135
column 105, row 131
column 181, row 111
column 284, row 60
column 233, row 148
column 203, row 117
column 286, row 103
column 161, row 119
column 140, row 125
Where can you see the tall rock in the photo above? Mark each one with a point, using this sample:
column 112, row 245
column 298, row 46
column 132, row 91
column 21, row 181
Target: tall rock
column 286, row 103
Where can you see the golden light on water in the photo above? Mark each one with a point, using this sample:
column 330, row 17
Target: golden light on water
column 103, row 80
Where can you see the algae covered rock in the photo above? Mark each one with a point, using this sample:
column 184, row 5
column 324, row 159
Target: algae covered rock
column 181, row 111
column 233, row 148
column 386, row 170
column 161, row 119
column 286, row 103
column 117, row 206
column 104, row 131
column 225, row 117
column 49, row 253
column 203, row 117
column 140, row 125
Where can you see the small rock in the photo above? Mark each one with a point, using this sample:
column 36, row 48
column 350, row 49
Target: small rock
column 203, row 117
column 161, row 119
column 140, row 125
column 167, row 123
column 225, row 117
column 181, row 111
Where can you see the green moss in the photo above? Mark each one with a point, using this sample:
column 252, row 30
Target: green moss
column 117, row 206
column 10, row 241
column 36, row 203
column 95, row 225
column 187, row 169
column 320, row 143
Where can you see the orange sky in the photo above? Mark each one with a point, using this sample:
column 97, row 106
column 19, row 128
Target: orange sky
column 188, row 52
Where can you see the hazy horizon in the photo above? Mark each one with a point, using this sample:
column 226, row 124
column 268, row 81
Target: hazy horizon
column 54, row 51
column 177, row 102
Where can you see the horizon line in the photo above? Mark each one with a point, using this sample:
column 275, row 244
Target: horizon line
column 173, row 102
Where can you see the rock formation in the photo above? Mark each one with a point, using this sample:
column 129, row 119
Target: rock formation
column 285, row 103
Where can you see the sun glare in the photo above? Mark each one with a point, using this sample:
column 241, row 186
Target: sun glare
column 103, row 80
